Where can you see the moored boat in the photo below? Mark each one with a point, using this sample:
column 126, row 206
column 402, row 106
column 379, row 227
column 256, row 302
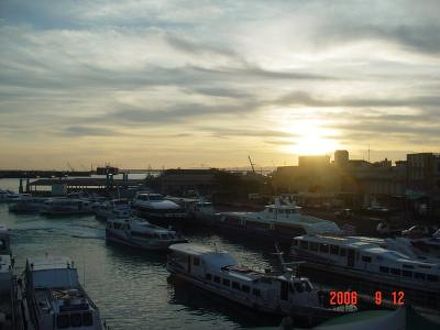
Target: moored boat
column 158, row 209
column 273, row 293
column 115, row 208
column 377, row 265
column 54, row 298
column 139, row 233
column 66, row 206
column 28, row 204
column 280, row 221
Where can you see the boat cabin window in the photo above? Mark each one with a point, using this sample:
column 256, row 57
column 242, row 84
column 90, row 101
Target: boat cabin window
column 256, row 292
column 334, row 249
column 304, row 245
column 408, row 266
column 366, row 259
column 406, row 273
column 208, row 276
column 87, row 319
column 314, row 246
column 216, row 279
column 196, row 261
column 295, row 242
column 432, row 278
column 245, row 288
column 226, row 282
column 342, row 252
column 419, row 276
column 299, row 287
column 63, row 321
column 395, row 271
column 384, row 269
column 236, row 285
column 323, row 248
column 75, row 320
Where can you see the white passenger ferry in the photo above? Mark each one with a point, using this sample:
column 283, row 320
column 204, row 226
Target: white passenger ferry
column 274, row 293
column 139, row 233
column 54, row 298
column 157, row 209
column 363, row 258
column 279, row 221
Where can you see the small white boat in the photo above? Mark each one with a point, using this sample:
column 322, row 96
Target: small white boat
column 28, row 204
column 8, row 196
column 55, row 299
column 203, row 212
column 158, row 209
column 139, row 233
column 115, row 208
column 66, row 206
column 273, row 293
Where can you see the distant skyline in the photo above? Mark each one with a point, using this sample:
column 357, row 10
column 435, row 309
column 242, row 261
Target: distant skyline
column 207, row 83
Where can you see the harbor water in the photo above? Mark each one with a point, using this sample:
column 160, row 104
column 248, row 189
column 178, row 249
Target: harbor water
column 132, row 288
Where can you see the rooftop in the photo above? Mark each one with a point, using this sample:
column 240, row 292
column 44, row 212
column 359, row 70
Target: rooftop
column 49, row 262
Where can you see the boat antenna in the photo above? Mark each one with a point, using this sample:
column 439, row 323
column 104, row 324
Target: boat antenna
column 293, row 272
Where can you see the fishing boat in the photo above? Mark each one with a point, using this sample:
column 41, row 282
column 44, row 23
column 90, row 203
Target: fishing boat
column 139, row 233
column 158, row 209
column 280, row 221
column 28, row 204
column 115, row 208
column 66, row 206
column 217, row 271
column 365, row 260
column 54, row 298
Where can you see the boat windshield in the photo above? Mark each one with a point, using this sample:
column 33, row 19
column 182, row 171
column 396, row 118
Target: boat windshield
column 155, row 197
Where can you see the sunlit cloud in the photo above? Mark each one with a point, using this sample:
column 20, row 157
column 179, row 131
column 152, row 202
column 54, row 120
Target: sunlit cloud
column 210, row 82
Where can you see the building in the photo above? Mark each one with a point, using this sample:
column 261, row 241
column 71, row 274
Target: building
column 180, row 181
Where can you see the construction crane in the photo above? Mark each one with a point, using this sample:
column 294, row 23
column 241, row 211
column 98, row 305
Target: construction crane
column 252, row 164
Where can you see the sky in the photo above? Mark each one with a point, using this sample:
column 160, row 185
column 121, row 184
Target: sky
column 197, row 83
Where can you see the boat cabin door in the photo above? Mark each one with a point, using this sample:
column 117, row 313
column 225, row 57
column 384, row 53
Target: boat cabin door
column 284, row 293
column 350, row 258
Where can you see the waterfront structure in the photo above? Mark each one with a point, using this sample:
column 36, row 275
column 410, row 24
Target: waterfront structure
column 273, row 293
column 179, row 181
column 55, row 299
column 139, row 233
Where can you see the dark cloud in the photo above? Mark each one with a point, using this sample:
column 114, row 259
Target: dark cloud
column 81, row 131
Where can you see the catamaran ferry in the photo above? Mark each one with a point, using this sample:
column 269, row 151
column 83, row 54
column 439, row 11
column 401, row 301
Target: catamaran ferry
column 273, row 293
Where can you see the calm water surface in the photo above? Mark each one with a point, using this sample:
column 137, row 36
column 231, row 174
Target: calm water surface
column 131, row 287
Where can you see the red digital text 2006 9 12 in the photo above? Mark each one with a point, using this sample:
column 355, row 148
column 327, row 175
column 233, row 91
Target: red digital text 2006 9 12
column 351, row 297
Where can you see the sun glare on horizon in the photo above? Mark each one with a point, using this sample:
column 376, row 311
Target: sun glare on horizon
column 312, row 138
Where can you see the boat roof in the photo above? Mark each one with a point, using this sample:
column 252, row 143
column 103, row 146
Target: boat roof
column 191, row 248
column 49, row 262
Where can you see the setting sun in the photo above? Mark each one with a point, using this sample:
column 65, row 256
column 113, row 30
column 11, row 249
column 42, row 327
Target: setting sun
column 312, row 138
